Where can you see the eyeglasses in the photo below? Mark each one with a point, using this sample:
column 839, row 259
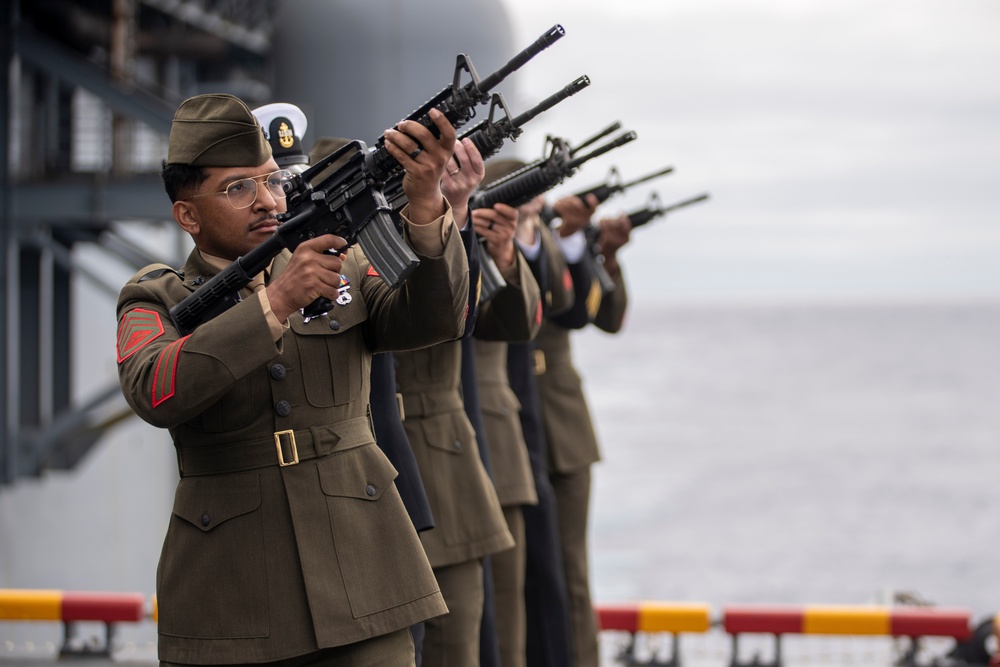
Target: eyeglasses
column 243, row 193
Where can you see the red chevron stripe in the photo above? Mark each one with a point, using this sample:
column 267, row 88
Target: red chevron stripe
column 137, row 329
column 165, row 375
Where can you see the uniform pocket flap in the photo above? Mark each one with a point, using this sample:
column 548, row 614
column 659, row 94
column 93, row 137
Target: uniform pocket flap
column 499, row 401
column 450, row 432
column 362, row 472
column 501, row 410
column 339, row 319
column 208, row 502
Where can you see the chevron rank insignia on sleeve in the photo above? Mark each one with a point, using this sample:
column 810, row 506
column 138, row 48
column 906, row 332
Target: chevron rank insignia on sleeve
column 137, row 329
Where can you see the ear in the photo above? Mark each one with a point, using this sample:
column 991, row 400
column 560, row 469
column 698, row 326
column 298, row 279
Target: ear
column 187, row 216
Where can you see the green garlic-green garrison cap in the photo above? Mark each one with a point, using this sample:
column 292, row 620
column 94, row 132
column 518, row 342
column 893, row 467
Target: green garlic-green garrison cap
column 216, row 130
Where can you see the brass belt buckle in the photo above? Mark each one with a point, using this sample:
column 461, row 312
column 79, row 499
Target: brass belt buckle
column 539, row 362
column 399, row 405
column 281, row 455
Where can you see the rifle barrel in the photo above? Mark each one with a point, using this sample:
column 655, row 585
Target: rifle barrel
column 686, row 202
column 550, row 37
column 649, row 177
column 568, row 90
column 619, row 141
column 646, row 215
column 600, row 135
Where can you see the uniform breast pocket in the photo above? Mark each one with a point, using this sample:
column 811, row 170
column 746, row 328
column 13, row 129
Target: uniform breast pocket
column 330, row 359
column 211, row 579
column 377, row 548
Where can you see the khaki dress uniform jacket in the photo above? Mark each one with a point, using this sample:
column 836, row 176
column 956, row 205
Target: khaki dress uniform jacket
column 573, row 444
column 512, row 478
column 264, row 561
column 501, row 410
column 547, row 610
column 469, row 523
column 499, row 405
column 570, row 434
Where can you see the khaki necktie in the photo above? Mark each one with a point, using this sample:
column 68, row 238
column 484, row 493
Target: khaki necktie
column 255, row 285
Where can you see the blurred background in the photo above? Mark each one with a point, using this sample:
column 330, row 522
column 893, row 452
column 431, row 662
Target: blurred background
column 801, row 407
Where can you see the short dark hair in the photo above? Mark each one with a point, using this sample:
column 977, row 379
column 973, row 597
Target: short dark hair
column 181, row 179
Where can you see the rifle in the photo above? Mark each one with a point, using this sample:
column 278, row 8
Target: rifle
column 593, row 256
column 537, row 178
column 488, row 136
column 614, row 185
column 458, row 103
column 654, row 210
column 349, row 202
column 600, row 135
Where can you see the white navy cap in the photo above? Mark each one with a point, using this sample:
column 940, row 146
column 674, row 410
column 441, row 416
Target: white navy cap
column 284, row 126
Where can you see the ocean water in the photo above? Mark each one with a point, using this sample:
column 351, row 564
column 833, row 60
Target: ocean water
column 835, row 453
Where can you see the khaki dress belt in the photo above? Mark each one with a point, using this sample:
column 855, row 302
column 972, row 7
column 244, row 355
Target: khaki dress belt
column 284, row 448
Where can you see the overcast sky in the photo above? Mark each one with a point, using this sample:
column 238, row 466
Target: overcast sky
column 849, row 146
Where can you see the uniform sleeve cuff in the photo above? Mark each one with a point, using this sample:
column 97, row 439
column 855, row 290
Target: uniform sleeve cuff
column 430, row 239
column 277, row 328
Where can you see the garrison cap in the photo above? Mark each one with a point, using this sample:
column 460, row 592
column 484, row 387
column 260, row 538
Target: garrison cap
column 216, row 130
column 284, row 126
column 497, row 169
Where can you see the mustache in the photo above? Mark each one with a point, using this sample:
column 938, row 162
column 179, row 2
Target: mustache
column 266, row 219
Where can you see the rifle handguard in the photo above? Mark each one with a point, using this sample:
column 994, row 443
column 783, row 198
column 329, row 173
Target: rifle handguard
column 515, row 192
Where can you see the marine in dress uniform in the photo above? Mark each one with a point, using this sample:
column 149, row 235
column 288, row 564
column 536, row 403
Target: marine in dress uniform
column 469, row 521
column 511, row 470
column 386, row 403
column 284, row 125
column 572, row 442
column 288, row 538
column 547, row 608
column 535, row 620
